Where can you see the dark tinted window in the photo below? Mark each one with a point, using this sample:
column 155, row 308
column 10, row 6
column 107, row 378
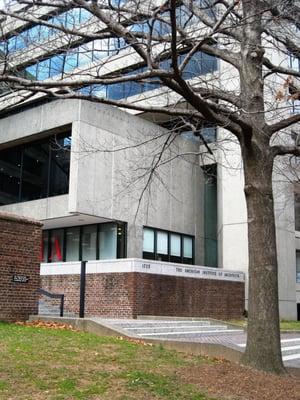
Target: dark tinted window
column 297, row 211
column 35, row 170
column 10, row 176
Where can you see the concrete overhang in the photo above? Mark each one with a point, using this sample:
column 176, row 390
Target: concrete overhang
column 74, row 219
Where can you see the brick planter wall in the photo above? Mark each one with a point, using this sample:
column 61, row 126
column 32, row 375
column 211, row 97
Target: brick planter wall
column 127, row 295
column 20, row 240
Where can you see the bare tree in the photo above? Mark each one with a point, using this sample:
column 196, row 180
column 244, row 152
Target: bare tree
column 251, row 95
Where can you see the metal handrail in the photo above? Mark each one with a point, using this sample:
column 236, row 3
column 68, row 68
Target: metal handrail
column 55, row 296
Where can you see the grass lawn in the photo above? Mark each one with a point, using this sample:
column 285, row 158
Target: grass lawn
column 284, row 325
column 39, row 363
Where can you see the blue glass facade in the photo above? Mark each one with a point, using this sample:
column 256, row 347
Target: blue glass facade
column 41, row 33
column 62, row 64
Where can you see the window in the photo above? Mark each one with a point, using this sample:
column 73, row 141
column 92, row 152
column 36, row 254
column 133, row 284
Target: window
column 168, row 246
column 148, row 244
column 35, row 170
column 41, row 33
column 162, row 249
column 187, row 249
column 72, row 243
column 298, row 266
column 175, row 248
column 108, row 242
column 210, row 216
column 45, row 246
column 56, row 245
column 89, row 242
column 86, row 242
column 297, row 211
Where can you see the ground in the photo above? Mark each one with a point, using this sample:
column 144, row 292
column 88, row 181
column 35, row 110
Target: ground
column 40, row 363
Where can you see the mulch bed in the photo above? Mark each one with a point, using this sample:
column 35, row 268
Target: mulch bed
column 235, row 382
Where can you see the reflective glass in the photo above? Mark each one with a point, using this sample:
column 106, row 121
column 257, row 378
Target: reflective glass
column 108, row 242
column 89, row 242
column 35, row 171
column 298, row 266
column 71, row 61
column 31, row 72
column 60, row 166
column 44, row 247
column 148, row 242
column 187, row 247
column 10, row 176
column 162, row 242
column 43, row 69
column 175, row 245
column 56, row 65
column 72, row 243
column 57, row 245
column 297, row 211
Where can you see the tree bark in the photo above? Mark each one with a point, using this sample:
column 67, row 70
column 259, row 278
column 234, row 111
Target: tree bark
column 263, row 349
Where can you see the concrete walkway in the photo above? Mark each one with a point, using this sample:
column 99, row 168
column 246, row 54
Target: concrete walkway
column 199, row 331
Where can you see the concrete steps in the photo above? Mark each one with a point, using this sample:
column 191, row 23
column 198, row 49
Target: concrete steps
column 290, row 349
column 169, row 329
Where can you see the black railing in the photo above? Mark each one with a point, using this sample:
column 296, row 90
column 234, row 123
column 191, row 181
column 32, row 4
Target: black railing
column 55, row 296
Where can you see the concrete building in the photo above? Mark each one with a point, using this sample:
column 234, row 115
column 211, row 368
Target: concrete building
column 83, row 170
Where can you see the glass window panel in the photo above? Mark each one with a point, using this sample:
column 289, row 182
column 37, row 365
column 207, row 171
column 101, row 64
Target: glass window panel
column 10, row 175
column 87, row 90
column 73, row 17
column 187, row 247
column 33, row 35
column 57, row 245
column 56, row 65
column 189, row 135
column 108, row 242
column 209, row 63
column 101, row 48
column 25, row 174
column 60, row 165
column 72, row 243
column 162, row 242
column 148, row 240
column 98, row 90
column 175, row 245
column 85, row 54
column 84, row 15
column 209, row 133
column 298, row 266
column 43, row 70
column 44, row 247
column 115, row 91
column 71, row 61
column 45, row 32
column 89, row 242
column 132, row 88
column 22, row 40
column 31, row 72
column 297, row 211
column 11, row 44
column 35, row 171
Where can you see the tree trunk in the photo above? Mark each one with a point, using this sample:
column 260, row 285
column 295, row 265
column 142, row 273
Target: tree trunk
column 263, row 349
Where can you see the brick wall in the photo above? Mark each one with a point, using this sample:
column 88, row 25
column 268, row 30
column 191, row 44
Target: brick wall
column 126, row 295
column 20, row 240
